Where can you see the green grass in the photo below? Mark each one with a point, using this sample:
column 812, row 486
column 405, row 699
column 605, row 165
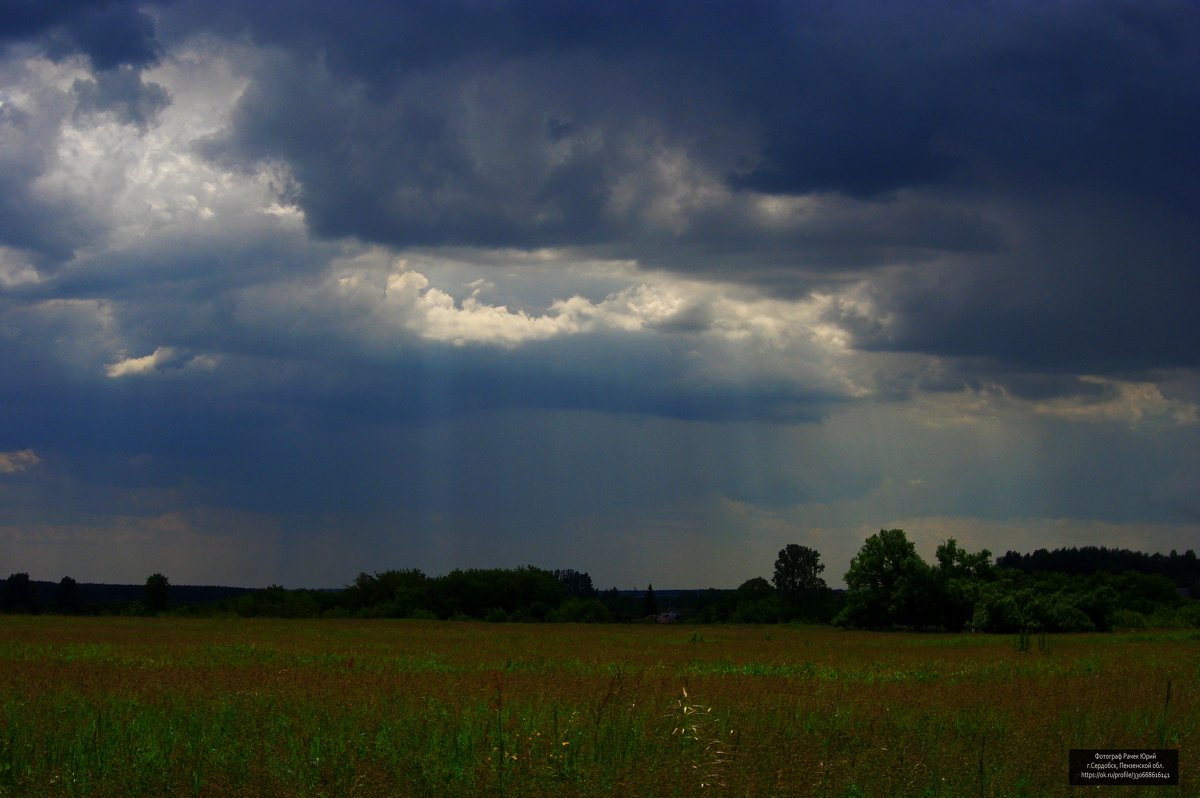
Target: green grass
column 140, row 707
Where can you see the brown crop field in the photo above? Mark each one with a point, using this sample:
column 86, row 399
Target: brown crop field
column 179, row 707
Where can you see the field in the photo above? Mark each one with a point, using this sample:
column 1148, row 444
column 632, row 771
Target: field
column 175, row 707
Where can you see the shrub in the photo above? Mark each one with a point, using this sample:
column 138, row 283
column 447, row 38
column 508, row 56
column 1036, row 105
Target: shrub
column 1128, row 619
column 581, row 610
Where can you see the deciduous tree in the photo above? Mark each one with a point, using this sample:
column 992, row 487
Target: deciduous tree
column 798, row 572
column 157, row 593
column 67, row 599
column 888, row 584
column 18, row 594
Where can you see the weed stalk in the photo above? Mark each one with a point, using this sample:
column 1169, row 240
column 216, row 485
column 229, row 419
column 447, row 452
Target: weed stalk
column 1162, row 721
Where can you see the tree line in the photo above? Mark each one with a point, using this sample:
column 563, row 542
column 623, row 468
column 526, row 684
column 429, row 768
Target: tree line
column 20, row 594
column 1182, row 569
column 889, row 586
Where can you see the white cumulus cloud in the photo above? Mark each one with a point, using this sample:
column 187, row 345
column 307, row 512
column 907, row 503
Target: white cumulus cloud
column 435, row 314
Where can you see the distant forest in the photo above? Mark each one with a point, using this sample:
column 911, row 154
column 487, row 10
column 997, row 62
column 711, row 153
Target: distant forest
column 1182, row 569
column 888, row 586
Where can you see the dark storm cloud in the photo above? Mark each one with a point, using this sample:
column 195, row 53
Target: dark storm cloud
column 110, row 34
column 1015, row 182
column 524, row 151
column 404, row 171
column 375, row 40
column 1032, row 163
column 877, row 97
column 487, row 124
column 1094, row 288
column 860, row 98
column 1074, row 124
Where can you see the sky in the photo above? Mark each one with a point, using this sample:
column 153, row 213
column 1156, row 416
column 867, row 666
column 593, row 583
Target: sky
column 293, row 291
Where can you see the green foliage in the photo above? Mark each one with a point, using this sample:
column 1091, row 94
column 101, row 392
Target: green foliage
column 1059, row 613
column 575, row 583
column 954, row 562
column 762, row 610
column 157, row 594
column 798, row 572
column 581, row 610
column 1129, row 619
column 67, row 599
column 536, row 611
column 388, row 594
column 803, row 594
column 754, row 589
column 275, row 602
column 1000, row 608
column 888, row 584
column 1182, row 570
column 1097, row 601
column 496, row 615
column 475, row 592
column 958, row 579
column 755, row 601
column 1189, row 613
column 18, row 595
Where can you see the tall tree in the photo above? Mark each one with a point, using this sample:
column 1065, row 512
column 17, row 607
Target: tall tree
column 958, row 579
column 798, row 572
column 575, row 583
column 157, row 592
column 66, row 597
column 755, row 601
column 19, row 594
column 649, row 602
column 888, row 584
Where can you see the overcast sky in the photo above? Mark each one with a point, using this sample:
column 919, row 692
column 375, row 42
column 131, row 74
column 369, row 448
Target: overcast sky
column 290, row 291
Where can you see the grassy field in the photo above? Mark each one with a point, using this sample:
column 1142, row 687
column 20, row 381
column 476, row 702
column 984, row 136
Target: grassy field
column 171, row 707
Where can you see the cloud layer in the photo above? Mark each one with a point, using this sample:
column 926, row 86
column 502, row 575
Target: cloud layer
column 522, row 280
